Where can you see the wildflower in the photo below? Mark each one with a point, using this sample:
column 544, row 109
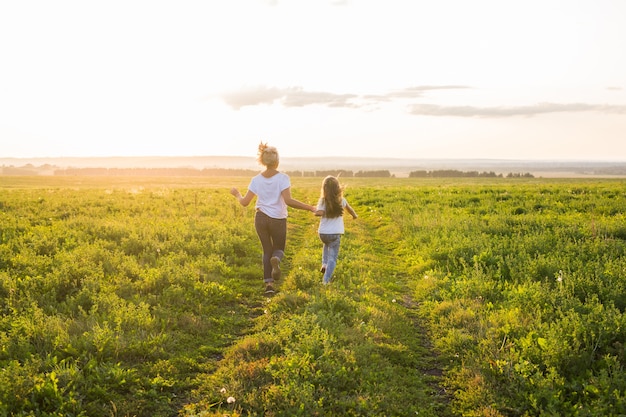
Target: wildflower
column 230, row 400
column 223, row 390
column 560, row 277
column 393, row 301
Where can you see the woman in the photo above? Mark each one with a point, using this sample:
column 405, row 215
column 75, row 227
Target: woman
column 273, row 191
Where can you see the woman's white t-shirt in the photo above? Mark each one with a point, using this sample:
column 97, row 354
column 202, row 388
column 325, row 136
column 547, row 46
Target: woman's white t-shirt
column 269, row 194
column 330, row 226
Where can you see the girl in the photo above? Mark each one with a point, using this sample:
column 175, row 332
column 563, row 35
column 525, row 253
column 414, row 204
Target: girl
column 273, row 191
column 330, row 207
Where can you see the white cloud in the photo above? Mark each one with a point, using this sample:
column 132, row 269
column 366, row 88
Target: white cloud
column 299, row 97
column 512, row 111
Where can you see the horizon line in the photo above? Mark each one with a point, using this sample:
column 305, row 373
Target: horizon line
column 432, row 158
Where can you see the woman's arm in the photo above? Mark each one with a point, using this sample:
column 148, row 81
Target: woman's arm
column 245, row 200
column 292, row 202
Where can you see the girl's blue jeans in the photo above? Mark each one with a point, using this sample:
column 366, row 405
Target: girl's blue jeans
column 330, row 253
column 273, row 236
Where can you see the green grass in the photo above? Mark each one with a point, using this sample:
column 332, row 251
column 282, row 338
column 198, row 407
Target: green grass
column 354, row 348
column 472, row 297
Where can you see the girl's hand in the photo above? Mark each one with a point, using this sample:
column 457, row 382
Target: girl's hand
column 235, row 192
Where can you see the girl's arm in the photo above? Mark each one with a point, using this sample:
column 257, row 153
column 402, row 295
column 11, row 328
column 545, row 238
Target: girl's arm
column 292, row 202
column 351, row 211
column 245, row 200
column 319, row 212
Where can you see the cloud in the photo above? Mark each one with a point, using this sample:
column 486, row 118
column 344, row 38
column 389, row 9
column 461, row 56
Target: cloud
column 252, row 96
column 298, row 97
column 511, row 111
column 415, row 92
column 288, row 97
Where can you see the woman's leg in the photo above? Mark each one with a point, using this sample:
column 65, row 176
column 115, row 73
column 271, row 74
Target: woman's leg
column 278, row 231
column 262, row 226
column 273, row 236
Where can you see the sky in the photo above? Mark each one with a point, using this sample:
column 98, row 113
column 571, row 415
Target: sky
column 488, row 79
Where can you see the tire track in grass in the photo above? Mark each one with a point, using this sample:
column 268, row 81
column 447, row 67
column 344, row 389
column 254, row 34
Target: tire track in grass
column 354, row 347
column 390, row 273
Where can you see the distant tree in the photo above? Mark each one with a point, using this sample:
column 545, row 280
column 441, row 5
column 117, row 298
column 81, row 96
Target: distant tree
column 520, row 175
column 451, row 173
column 335, row 173
column 374, row 174
column 419, row 174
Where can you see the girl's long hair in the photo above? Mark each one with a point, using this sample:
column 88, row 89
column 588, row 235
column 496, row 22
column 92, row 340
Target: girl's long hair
column 332, row 195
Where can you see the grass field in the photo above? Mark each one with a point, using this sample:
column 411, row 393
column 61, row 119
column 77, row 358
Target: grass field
column 473, row 297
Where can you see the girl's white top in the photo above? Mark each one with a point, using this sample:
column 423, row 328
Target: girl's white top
column 268, row 192
column 330, row 226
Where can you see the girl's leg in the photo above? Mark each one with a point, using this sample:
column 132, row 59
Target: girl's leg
column 332, row 243
column 324, row 255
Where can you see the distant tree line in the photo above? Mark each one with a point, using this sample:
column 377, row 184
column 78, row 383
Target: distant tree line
column 210, row 172
column 382, row 173
column 520, row 175
column 18, row 171
column 156, row 172
column 453, row 173
column 323, row 173
column 342, row 173
column 230, row 172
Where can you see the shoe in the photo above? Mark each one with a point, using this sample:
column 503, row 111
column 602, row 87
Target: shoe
column 269, row 289
column 323, row 269
column 275, row 261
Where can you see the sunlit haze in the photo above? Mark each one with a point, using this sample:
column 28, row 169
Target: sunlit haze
column 367, row 78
